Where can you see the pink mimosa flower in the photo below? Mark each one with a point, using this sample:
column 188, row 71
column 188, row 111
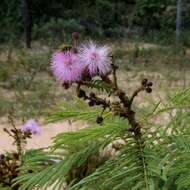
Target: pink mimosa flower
column 31, row 126
column 95, row 58
column 65, row 67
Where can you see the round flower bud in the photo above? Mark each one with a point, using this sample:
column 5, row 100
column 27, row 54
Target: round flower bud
column 16, row 156
column 75, row 35
column 2, row 157
column 91, row 103
column 148, row 90
column 66, row 85
column 99, row 119
column 149, row 84
column 30, row 171
column 121, row 94
column 144, row 81
column 92, row 95
column 81, row 94
column 98, row 103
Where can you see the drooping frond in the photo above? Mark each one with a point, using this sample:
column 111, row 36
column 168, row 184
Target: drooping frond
column 75, row 149
column 35, row 162
column 179, row 170
column 48, row 174
column 155, row 159
column 128, row 170
column 111, row 128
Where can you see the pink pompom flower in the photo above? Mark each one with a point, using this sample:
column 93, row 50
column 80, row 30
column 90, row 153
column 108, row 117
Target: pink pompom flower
column 96, row 58
column 65, row 67
column 31, row 126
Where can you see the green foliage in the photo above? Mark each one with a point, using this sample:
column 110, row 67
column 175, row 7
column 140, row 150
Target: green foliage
column 91, row 141
column 100, row 85
column 22, row 78
column 34, row 102
column 56, row 28
column 77, row 109
column 100, row 18
column 4, row 104
column 4, row 72
column 158, row 160
column 4, row 188
column 151, row 11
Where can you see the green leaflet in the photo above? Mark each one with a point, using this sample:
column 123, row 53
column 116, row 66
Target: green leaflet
column 159, row 160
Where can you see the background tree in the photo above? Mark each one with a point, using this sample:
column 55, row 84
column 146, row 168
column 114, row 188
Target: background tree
column 27, row 22
column 54, row 19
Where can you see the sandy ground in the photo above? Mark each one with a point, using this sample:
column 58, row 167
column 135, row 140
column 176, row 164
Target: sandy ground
column 42, row 140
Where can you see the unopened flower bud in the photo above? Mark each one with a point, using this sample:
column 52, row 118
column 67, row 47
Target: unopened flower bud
column 98, row 103
column 91, row 103
column 144, row 82
column 2, row 158
column 16, row 156
column 99, row 119
column 106, row 79
column 66, row 85
column 148, row 90
column 122, row 114
column 81, row 94
column 149, row 84
column 121, row 94
column 114, row 66
column 92, row 95
column 75, row 35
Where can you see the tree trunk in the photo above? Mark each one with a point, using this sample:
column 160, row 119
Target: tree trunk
column 27, row 22
column 116, row 11
column 178, row 20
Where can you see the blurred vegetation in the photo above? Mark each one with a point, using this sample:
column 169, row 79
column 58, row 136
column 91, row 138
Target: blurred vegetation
column 26, row 82
column 128, row 24
column 54, row 19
